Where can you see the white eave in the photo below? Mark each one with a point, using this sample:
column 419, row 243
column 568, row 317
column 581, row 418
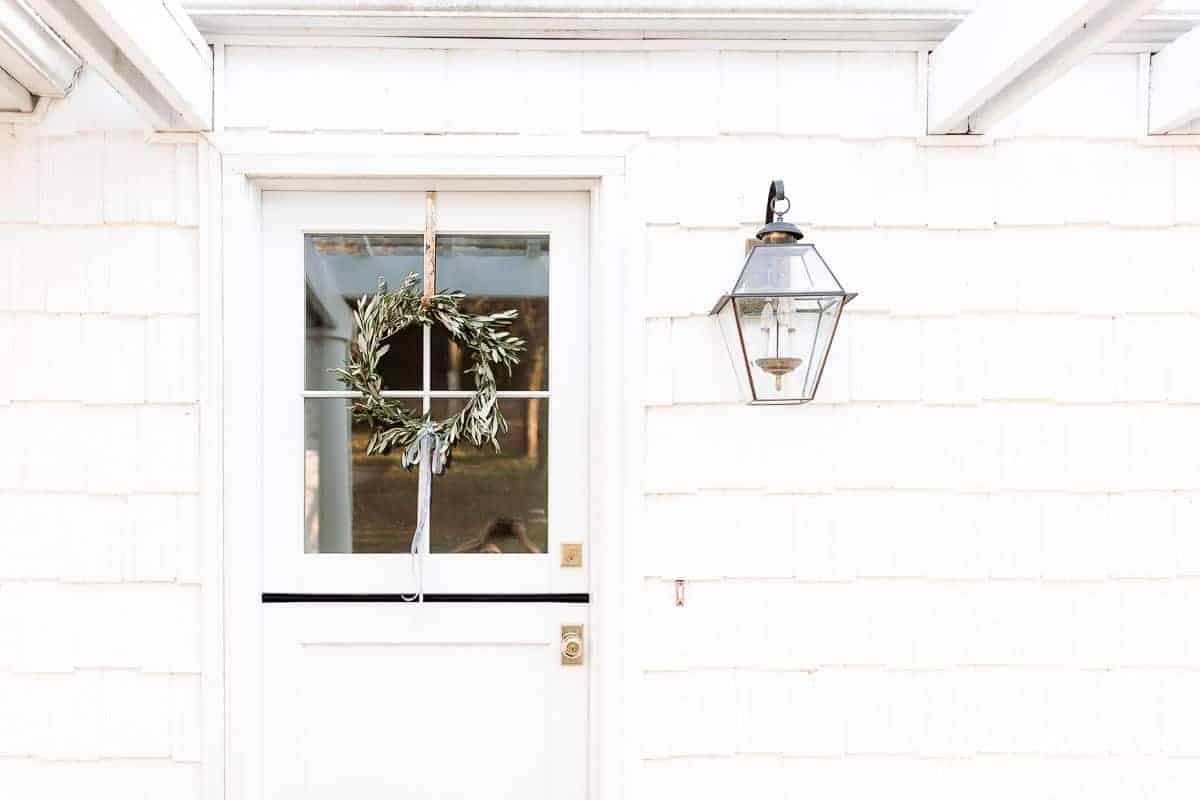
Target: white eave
column 819, row 20
column 34, row 61
column 148, row 50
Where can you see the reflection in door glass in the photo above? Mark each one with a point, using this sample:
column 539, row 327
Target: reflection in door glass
column 490, row 502
column 353, row 502
column 496, row 273
column 338, row 270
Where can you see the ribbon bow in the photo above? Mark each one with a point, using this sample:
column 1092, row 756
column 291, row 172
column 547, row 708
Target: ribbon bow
column 431, row 461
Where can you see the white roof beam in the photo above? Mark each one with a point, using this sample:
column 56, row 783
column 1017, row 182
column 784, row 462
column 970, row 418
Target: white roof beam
column 32, row 54
column 13, row 96
column 1005, row 52
column 148, row 51
column 1175, row 84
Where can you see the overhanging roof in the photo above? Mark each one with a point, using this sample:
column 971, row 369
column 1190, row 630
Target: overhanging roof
column 875, row 20
column 34, row 62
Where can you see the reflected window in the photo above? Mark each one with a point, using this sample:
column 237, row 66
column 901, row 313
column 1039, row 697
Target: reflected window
column 338, row 270
column 487, row 502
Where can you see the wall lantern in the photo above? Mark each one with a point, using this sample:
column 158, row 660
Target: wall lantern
column 779, row 319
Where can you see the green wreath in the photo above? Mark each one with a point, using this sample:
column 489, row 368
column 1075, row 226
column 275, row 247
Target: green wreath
column 394, row 426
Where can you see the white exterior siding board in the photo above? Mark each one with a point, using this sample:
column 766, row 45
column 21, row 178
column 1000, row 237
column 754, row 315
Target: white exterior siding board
column 556, row 76
column 132, row 718
column 167, row 449
column 897, row 174
column 1096, row 99
column 172, row 360
column 960, row 182
column 490, row 78
column 681, row 91
column 154, row 537
column 1145, row 187
column 749, row 101
column 110, row 448
column 139, row 180
column 250, row 77
column 616, row 93
column 688, row 269
column 71, row 180
column 416, row 98
column 1187, row 185
column 699, row 363
column 186, row 718
column 19, row 170
column 115, row 360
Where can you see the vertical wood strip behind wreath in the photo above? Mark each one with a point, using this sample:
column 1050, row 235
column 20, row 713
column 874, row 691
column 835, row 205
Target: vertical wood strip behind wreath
column 430, row 244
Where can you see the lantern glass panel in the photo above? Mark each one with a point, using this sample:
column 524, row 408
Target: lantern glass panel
column 785, row 341
column 728, row 322
column 793, row 267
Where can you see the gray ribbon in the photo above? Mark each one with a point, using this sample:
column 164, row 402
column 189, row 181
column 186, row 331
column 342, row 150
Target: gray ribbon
column 430, row 462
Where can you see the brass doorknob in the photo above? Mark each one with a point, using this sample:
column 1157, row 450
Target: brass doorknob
column 571, row 646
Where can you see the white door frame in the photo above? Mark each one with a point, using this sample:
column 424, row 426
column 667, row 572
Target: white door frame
column 231, row 409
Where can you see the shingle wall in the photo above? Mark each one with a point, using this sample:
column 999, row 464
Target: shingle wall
column 99, row 540
column 971, row 568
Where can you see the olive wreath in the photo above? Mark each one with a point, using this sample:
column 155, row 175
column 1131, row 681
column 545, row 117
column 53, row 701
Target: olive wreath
column 394, row 426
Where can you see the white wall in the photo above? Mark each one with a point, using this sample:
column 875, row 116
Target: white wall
column 99, row 539
column 971, row 568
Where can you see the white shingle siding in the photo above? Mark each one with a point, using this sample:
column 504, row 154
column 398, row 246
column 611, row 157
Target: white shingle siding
column 969, row 568
column 99, row 541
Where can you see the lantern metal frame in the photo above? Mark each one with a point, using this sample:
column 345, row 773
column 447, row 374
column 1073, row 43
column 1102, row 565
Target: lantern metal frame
column 776, row 232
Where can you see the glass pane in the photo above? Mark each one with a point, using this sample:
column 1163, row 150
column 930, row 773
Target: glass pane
column 353, row 502
column 786, row 268
column 786, row 342
column 496, row 273
column 489, row 502
column 338, row 270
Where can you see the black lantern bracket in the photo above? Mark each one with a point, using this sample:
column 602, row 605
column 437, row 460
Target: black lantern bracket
column 774, row 229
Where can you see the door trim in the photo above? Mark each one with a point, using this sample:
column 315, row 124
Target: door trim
column 232, row 492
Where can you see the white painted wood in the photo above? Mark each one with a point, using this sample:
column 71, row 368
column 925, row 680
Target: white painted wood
column 288, row 216
column 13, row 96
column 446, row 700
column 151, row 53
column 1004, row 53
column 1175, row 84
column 212, row 468
column 239, row 319
column 33, row 55
column 816, row 21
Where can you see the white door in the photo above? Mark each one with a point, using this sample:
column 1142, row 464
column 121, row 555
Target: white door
column 365, row 694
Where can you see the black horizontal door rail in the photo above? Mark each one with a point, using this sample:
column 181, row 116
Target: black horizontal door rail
column 550, row 597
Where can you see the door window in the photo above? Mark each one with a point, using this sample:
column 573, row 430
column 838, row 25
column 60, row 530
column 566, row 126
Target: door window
column 487, row 502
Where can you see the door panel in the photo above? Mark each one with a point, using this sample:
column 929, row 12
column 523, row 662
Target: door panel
column 449, row 700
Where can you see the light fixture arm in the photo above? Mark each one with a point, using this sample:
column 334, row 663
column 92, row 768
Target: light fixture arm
column 774, row 195
column 775, row 230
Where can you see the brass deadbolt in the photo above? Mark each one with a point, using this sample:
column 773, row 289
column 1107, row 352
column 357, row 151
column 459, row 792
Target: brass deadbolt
column 572, row 645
